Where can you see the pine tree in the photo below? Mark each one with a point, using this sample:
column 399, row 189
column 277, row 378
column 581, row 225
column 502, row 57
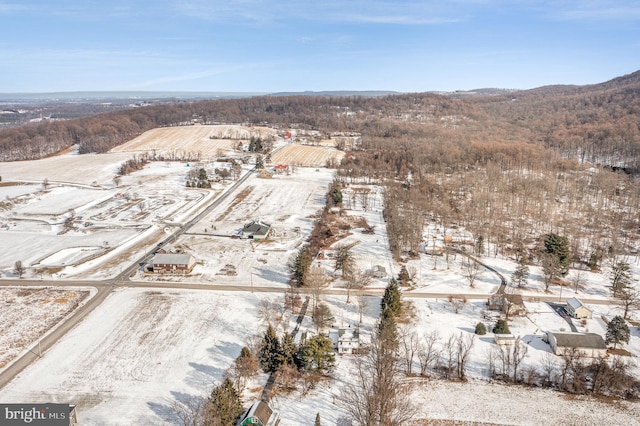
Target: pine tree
column 617, row 331
column 521, row 274
column 316, row 354
column 501, row 327
column 391, row 304
column 558, row 246
column 403, row 275
column 259, row 162
column 246, row 364
column 224, row 406
column 270, row 351
column 622, row 287
column 317, row 423
column 288, row 351
column 620, row 277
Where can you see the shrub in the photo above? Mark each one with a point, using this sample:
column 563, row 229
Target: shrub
column 501, row 327
column 481, row 329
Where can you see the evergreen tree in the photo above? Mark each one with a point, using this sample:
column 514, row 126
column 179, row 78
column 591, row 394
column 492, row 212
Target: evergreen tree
column 558, row 246
column 403, row 276
column 479, row 245
column 391, row 304
column 224, row 407
column 299, row 265
column 246, row 363
column 259, row 162
column 617, row 331
column 316, row 354
column 481, row 329
column 501, row 327
column 622, row 287
column 521, row 274
column 336, row 195
column 317, row 423
column 270, row 351
column 620, row 277
column 288, row 351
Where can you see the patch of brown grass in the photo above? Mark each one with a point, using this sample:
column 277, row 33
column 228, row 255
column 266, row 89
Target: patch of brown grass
column 242, row 195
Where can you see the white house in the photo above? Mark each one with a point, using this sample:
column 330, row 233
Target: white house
column 345, row 340
column 586, row 344
column 577, row 309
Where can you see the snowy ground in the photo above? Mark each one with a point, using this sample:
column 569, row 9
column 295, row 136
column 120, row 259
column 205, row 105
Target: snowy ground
column 142, row 351
column 29, row 313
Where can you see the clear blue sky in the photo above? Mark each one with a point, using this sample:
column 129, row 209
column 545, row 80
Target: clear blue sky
column 295, row 45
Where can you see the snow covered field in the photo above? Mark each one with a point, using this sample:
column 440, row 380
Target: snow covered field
column 28, row 313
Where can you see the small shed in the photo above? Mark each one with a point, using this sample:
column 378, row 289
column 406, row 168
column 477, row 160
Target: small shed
column 163, row 263
column 504, row 339
column 585, row 344
column 577, row 309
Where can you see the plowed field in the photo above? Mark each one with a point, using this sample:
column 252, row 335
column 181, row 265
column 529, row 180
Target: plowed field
column 306, row 156
column 205, row 139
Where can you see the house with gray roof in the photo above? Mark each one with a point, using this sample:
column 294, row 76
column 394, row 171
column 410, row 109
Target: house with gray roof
column 256, row 230
column 585, row 344
column 172, row 263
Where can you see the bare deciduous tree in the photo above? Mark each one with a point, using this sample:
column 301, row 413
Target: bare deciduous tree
column 428, row 351
column 316, row 280
column 19, row 269
column 379, row 397
column 470, row 270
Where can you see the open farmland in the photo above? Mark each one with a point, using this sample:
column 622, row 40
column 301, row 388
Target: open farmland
column 305, row 155
column 207, row 140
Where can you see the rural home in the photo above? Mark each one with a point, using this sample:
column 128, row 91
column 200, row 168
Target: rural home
column 577, row 309
column 256, row 230
column 511, row 304
column 171, row 263
column 260, row 414
column 281, row 168
column 586, row 344
column 346, row 340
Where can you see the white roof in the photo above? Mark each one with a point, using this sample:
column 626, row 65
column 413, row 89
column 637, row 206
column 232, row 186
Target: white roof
column 171, row 259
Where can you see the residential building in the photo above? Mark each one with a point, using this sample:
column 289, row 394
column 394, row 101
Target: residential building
column 577, row 309
column 584, row 344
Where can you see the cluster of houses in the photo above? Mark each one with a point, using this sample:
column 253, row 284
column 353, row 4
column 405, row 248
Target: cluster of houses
column 561, row 342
